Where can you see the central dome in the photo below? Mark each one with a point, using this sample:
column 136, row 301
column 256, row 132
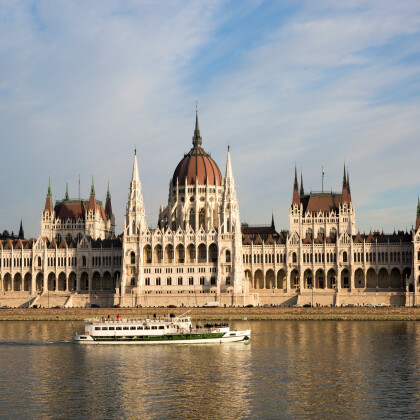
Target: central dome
column 197, row 166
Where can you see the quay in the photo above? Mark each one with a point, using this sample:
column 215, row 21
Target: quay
column 224, row 314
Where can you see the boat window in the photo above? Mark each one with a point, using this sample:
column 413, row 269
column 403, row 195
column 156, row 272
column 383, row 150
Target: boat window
column 105, row 328
column 154, row 327
column 97, row 328
column 139, row 328
column 82, row 338
column 167, row 326
column 126, row 328
column 147, row 328
column 161, row 327
column 118, row 328
column 112, row 328
column 132, row 328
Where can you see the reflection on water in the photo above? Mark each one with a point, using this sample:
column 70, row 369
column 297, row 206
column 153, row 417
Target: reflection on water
column 291, row 369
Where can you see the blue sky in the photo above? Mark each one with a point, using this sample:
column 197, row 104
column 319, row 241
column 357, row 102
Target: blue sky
column 314, row 83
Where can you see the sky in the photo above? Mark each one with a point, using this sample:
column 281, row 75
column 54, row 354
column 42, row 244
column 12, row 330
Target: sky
column 306, row 83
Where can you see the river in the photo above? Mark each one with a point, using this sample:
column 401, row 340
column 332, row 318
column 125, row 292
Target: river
column 290, row 369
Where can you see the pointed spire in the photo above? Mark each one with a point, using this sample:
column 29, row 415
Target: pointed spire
column 302, row 192
column 66, row 197
column 344, row 177
column 346, row 197
column 21, row 233
column 108, row 207
column 197, row 140
column 296, row 199
column 92, row 189
column 229, row 174
column 49, row 193
column 418, row 214
column 348, row 181
column 48, row 200
column 108, row 194
column 273, row 226
column 135, row 176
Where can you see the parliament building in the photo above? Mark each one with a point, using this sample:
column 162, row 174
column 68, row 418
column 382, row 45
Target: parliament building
column 200, row 252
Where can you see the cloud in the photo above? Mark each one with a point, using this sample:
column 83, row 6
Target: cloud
column 309, row 82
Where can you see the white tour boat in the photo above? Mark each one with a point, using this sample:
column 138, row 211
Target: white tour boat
column 167, row 330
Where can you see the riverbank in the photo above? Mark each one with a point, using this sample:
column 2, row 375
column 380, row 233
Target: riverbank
column 226, row 314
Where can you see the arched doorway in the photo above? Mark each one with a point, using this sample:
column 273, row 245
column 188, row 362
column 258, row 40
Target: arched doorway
column 395, row 278
column 359, row 279
column 281, row 279
column 383, row 278
column 259, row 279
column 320, row 279
column 269, row 279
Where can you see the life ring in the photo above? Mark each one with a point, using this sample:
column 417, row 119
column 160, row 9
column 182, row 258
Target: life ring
column 217, row 330
column 87, row 333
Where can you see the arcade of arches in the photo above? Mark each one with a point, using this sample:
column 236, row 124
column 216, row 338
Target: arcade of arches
column 383, row 279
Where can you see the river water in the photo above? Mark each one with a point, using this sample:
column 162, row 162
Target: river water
column 290, row 369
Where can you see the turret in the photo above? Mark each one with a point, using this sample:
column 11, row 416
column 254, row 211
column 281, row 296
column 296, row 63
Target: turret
column 418, row 215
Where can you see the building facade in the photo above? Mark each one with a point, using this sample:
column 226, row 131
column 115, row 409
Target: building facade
column 200, row 252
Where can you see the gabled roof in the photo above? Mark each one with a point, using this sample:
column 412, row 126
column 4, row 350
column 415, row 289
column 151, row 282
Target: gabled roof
column 258, row 240
column 358, row 239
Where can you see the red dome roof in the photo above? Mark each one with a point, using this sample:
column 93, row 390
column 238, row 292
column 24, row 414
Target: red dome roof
column 197, row 166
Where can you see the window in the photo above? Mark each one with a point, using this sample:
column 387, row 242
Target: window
column 345, row 256
column 169, row 281
column 294, row 257
column 179, row 281
column 191, row 281
column 132, row 258
column 133, row 281
column 158, row 281
column 201, row 281
column 213, row 281
column 228, row 257
column 147, row 281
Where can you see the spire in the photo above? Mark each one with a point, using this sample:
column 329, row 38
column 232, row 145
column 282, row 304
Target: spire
column 135, row 217
column 66, row 197
column 108, row 194
column 48, row 200
column 108, row 207
column 346, row 196
column 92, row 189
column 344, row 177
column 49, row 193
column 92, row 199
column 229, row 217
column 296, row 199
column 302, row 192
column 418, row 214
column 21, row 233
column 135, row 176
column 229, row 174
column 273, row 226
column 197, row 140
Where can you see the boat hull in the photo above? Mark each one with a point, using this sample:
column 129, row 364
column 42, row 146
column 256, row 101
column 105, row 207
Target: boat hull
column 226, row 338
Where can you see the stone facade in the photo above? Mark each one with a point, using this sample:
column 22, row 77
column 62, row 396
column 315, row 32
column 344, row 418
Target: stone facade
column 199, row 251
